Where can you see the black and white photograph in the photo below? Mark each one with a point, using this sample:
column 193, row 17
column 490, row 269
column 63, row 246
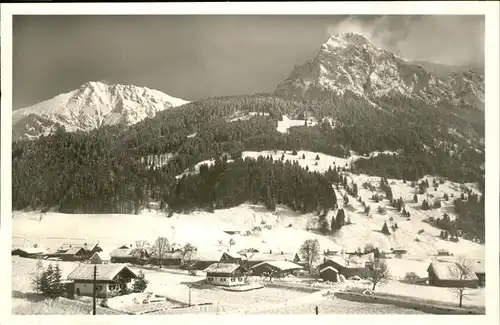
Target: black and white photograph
column 250, row 164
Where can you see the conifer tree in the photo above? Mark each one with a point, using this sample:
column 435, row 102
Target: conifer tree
column 140, row 283
column 333, row 225
column 385, row 229
column 425, row 205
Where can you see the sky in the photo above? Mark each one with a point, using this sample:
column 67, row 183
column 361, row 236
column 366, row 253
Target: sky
column 200, row 56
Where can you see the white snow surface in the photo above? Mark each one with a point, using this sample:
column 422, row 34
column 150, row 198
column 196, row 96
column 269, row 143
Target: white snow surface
column 287, row 123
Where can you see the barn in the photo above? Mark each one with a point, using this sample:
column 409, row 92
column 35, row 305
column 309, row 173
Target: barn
column 111, row 279
column 346, row 267
column 278, row 268
column 441, row 275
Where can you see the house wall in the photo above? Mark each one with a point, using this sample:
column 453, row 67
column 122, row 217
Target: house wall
column 86, row 289
column 165, row 261
column 130, row 260
column 329, row 275
column 228, row 281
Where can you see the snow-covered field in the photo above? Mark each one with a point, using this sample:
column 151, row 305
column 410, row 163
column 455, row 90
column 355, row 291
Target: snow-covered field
column 287, row 123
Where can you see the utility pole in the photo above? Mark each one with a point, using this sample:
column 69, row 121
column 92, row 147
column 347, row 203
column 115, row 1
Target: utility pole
column 94, row 291
column 189, row 296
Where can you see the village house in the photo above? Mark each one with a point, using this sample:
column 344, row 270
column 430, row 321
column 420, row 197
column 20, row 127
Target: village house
column 444, row 252
column 28, row 252
column 347, row 267
column 73, row 250
column 480, row 272
column 200, row 259
column 398, row 252
column 441, row 275
column 171, row 258
column 88, row 247
column 257, row 258
column 111, row 279
column 232, row 257
column 124, row 254
column 100, row 258
column 73, row 254
column 278, row 268
column 225, row 274
column 329, row 273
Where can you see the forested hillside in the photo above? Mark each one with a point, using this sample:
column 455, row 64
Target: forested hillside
column 101, row 171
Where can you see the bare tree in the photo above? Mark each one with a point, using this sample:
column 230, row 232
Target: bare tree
column 310, row 252
column 141, row 243
column 37, row 276
column 462, row 270
column 187, row 252
column 160, row 248
column 232, row 242
column 378, row 272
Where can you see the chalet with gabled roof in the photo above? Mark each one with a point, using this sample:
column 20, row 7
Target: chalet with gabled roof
column 111, row 279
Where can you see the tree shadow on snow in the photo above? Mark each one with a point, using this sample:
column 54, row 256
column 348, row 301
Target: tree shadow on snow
column 30, row 296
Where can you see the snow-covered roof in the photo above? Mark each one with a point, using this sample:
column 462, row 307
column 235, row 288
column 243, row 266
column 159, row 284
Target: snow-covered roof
column 71, row 243
column 104, row 256
column 235, row 255
column 281, row 265
column 105, row 272
column 261, row 257
column 121, row 252
column 328, row 268
column 208, row 256
column 443, row 271
column 73, row 250
column 169, row 255
column 228, row 268
column 478, row 266
column 29, row 250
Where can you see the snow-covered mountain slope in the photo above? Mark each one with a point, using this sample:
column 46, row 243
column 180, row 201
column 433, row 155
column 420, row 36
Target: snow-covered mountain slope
column 91, row 106
column 349, row 63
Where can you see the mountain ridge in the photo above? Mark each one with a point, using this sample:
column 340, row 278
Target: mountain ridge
column 91, row 106
column 349, row 62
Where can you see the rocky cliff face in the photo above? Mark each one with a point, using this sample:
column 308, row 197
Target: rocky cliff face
column 348, row 64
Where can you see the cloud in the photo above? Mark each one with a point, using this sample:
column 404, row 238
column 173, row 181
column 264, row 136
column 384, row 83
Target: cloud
column 452, row 40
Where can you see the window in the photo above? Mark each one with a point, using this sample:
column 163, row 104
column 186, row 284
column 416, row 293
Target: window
column 223, row 279
column 232, row 280
column 210, row 279
column 240, row 279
